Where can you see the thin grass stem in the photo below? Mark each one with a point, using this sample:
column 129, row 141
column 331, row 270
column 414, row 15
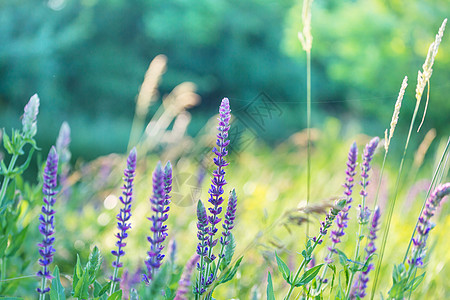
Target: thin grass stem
column 308, row 136
column 392, row 203
column 432, row 184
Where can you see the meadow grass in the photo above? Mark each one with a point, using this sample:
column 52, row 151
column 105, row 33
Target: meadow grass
column 256, row 228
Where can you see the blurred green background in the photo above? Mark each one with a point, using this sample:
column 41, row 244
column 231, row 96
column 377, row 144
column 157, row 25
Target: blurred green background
column 87, row 59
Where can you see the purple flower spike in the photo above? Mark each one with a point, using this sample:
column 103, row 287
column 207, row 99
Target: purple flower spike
column 230, row 215
column 425, row 225
column 202, row 247
column 162, row 185
column 47, row 227
column 359, row 289
column 218, row 180
column 184, row 284
column 342, row 217
column 365, row 168
column 124, row 215
column 331, row 215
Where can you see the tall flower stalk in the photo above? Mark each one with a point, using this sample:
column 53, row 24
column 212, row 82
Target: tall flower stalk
column 19, row 139
column 46, row 219
column 306, row 39
column 162, row 185
column 218, row 181
column 342, row 217
column 124, row 216
column 423, row 78
column 207, row 224
column 364, row 212
column 202, row 248
column 359, row 289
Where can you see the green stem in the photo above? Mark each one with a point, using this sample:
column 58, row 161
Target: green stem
column 222, row 249
column 2, row 271
column 392, row 204
column 304, row 262
column 6, row 178
column 113, row 280
column 44, row 281
column 360, row 230
column 433, row 181
column 308, row 134
column 380, row 180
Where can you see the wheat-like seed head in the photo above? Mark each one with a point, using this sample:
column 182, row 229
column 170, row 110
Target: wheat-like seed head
column 149, row 87
column 394, row 120
column 424, row 76
column 305, row 35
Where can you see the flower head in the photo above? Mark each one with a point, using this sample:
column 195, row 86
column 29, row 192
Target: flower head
column 162, row 181
column 124, row 215
column 31, row 110
column 63, row 142
column 360, row 285
column 342, row 217
column 425, row 224
column 46, row 219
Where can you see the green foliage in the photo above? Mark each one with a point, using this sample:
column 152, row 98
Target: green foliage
column 57, row 290
column 308, row 276
column 84, row 277
column 283, row 268
column 270, row 293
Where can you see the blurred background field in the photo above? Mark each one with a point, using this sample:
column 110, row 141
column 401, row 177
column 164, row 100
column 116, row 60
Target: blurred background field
column 88, row 60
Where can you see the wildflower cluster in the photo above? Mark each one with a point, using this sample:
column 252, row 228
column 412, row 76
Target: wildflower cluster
column 206, row 233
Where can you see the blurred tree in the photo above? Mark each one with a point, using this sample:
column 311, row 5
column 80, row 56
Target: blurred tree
column 87, row 58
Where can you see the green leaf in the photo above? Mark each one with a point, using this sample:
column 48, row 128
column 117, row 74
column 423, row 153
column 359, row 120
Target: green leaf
column 97, row 288
column 82, row 288
column 7, row 143
column 270, row 294
column 105, row 288
column 229, row 252
column 397, row 289
column 283, row 268
column 3, row 244
column 77, row 273
column 22, row 168
column 230, row 274
column 415, row 282
column 308, row 276
column 17, row 241
column 94, row 264
column 57, row 290
column 116, row 295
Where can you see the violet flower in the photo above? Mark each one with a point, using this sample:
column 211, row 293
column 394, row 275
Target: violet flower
column 162, row 180
column 369, row 151
column 331, row 215
column 360, row 286
column 228, row 223
column 218, row 180
column 202, row 246
column 342, row 217
column 124, row 215
column 184, row 285
column 425, row 225
column 47, row 227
